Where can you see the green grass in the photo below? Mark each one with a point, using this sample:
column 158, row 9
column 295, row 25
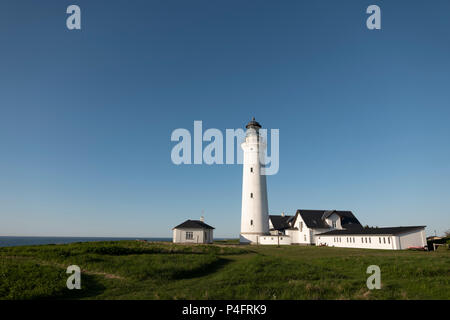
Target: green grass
column 140, row 270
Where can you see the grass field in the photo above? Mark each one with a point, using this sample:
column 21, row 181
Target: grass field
column 140, row 270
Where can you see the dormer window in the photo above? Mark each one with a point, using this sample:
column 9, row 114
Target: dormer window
column 334, row 224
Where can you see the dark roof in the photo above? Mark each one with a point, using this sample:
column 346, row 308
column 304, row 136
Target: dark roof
column 348, row 220
column 253, row 124
column 280, row 222
column 368, row 231
column 316, row 218
column 313, row 218
column 193, row 224
column 327, row 213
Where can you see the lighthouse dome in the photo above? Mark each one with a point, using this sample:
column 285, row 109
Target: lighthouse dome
column 253, row 124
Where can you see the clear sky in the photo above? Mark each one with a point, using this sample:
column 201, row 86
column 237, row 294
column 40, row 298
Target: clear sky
column 86, row 116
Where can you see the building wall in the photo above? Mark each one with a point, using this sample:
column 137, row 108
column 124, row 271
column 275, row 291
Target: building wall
column 179, row 236
column 274, row 240
column 334, row 218
column 415, row 238
column 303, row 235
column 294, row 235
column 403, row 241
column 315, row 232
column 358, row 241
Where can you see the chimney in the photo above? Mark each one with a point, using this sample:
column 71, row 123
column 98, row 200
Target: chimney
column 282, row 214
column 202, row 219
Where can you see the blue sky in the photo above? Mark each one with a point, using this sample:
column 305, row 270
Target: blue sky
column 86, row 116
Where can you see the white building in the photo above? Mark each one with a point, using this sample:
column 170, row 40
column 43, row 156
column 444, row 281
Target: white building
column 306, row 224
column 193, row 231
column 340, row 229
column 396, row 238
column 307, row 227
column 254, row 212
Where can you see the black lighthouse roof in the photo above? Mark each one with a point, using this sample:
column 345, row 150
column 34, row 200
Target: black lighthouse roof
column 253, row 124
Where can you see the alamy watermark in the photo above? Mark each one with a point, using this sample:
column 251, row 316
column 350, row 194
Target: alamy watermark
column 189, row 149
column 74, row 281
column 374, row 281
column 73, row 21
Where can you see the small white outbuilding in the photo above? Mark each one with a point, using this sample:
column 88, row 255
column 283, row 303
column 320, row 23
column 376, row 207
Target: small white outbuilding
column 193, row 231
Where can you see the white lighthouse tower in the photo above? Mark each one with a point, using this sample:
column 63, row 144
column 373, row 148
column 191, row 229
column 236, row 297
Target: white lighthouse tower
column 254, row 214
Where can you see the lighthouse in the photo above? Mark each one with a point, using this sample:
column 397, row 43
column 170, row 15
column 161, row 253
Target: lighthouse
column 254, row 212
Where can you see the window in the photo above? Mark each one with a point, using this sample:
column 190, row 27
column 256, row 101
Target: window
column 384, row 240
column 370, row 240
column 251, row 222
column 379, row 238
column 301, row 226
column 189, row 235
column 353, row 239
column 251, row 195
column 304, row 237
column 251, row 169
column 206, row 236
column 389, row 240
column 334, row 224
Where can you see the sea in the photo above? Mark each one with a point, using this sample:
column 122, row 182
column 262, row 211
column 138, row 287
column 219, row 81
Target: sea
column 26, row 241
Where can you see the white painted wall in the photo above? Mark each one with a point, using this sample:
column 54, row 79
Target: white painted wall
column 274, row 240
column 303, row 235
column 294, row 235
column 415, row 238
column 254, row 211
column 357, row 241
column 315, row 232
column 199, row 236
column 389, row 242
column 334, row 218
